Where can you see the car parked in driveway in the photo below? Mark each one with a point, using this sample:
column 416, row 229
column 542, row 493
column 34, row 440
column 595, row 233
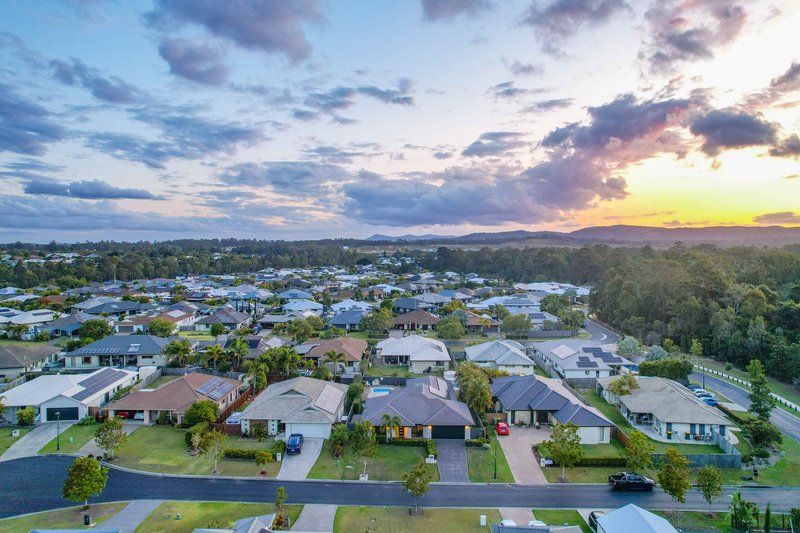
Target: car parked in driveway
column 295, row 444
column 501, row 428
column 593, row 517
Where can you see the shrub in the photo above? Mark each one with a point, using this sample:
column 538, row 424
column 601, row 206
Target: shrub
column 728, row 366
column 120, row 393
column 794, row 512
column 761, row 453
column 240, row 453
column 202, row 411
column 263, row 457
column 279, row 447
column 746, row 457
column 198, row 429
column 476, row 443
column 86, row 421
column 428, row 444
column 26, row 416
column 259, row 431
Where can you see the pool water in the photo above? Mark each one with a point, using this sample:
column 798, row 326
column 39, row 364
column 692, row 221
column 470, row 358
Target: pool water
column 382, row 389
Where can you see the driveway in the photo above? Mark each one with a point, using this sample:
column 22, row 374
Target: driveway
column 91, row 447
column 452, row 460
column 520, row 515
column 33, row 441
column 297, row 467
column 517, row 447
column 128, row 519
column 316, row 517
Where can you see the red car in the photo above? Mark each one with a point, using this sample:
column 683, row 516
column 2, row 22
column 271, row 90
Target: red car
column 501, row 428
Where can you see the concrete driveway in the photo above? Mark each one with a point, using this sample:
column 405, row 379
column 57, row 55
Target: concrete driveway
column 517, row 448
column 297, row 467
column 33, row 441
column 452, row 460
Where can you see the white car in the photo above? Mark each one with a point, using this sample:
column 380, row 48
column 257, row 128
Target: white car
column 536, row 523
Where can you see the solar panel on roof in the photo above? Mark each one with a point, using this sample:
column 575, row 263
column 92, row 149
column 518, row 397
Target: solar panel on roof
column 582, row 358
column 208, row 386
column 587, row 364
column 537, row 316
column 97, row 383
column 221, row 391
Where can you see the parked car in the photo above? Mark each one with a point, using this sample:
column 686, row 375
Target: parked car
column 694, row 387
column 501, row 428
column 295, row 444
column 593, row 516
column 710, row 401
column 138, row 415
column 630, row 481
column 122, row 414
column 703, row 392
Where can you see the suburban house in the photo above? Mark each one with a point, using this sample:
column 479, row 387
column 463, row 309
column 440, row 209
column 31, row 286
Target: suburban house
column 119, row 308
column 66, row 396
column 434, row 299
column 133, row 324
column 295, row 294
column 419, row 353
column 230, row 318
column 33, row 321
column 427, row 407
column 90, row 303
column 181, row 318
column 406, row 305
column 119, row 350
column 353, row 349
column 504, row 355
column 270, row 321
column 579, row 363
column 68, row 325
column 348, row 320
column 175, row 397
column 16, row 360
column 536, row 400
column 416, row 320
column 302, row 306
column 633, row 518
column 351, row 305
column 256, row 344
column 482, row 323
column 300, row 405
column 665, row 407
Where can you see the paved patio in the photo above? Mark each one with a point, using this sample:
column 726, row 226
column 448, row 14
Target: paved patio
column 452, row 460
column 33, row 441
column 517, row 447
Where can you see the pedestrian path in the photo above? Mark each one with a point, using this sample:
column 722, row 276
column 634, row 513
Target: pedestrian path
column 33, row 441
column 128, row 519
column 316, row 517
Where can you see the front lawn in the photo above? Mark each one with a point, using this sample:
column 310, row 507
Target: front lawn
column 6, row 440
column 389, row 464
column 80, row 435
column 196, row 335
column 481, row 463
column 163, row 449
column 599, row 474
column 699, row 521
column 71, row 518
column 561, row 517
column 205, row 515
column 397, row 520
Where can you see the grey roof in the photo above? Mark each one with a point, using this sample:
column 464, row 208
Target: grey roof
column 500, row 352
column 300, row 399
column 497, row 528
column 124, row 345
column 425, row 401
column 16, row 356
column 633, row 518
column 225, row 316
column 348, row 317
column 410, row 303
column 121, row 306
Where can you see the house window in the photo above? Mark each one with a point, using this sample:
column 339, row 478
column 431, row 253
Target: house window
column 586, row 372
column 87, row 360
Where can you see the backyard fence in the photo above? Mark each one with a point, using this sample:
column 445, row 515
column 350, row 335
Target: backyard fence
column 144, row 383
column 780, row 399
column 234, row 405
column 188, row 370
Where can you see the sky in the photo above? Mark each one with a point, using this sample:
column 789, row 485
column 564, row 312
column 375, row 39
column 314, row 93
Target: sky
column 307, row 119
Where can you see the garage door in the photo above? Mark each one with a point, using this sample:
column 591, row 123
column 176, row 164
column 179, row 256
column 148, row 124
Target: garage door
column 67, row 413
column 309, row 430
column 448, row 432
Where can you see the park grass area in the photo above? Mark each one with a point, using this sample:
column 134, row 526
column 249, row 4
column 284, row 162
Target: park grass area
column 397, row 520
column 161, row 380
column 700, row 521
column 6, row 440
column 80, row 435
column 71, row 518
column 26, row 344
column 163, row 449
column 389, row 463
column 480, row 462
column 212, row 515
column 561, row 517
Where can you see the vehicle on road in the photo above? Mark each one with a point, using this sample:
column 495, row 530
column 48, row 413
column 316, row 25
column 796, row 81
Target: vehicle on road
column 630, row 481
column 501, row 428
column 295, row 444
column 593, row 517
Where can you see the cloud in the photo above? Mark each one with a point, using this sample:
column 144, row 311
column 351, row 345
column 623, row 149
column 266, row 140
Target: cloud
column 690, row 31
column 686, row 223
column 343, row 97
column 26, row 127
column 434, row 10
column 302, row 179
column 195, row 62
column 556, row 21
column 271, row 26
column 494, row 143
column 517, row 68
column 507, row 90
column 784, row 217
column 442, row 155
column 728, row 128
column 28, row 169
column 789, row 80
column 547, row 105
column 112, row 90
column 339, row 155
column 87, row 189
column 789, row 147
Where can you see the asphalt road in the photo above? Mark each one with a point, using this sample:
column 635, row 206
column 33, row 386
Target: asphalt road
column 600, row 334
column 787, row 423
column 34, row 484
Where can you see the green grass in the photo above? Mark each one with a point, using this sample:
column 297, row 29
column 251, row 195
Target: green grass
column 391, row 370
column 22, row 343
column 196, row 335
column 481, row 463
column 699, row 521
column 613, row 449
column 71, row 518
column 599, row 474
column 560, row 517
column 80, row 435
column 163, row 449
column 397, row 520
column 388, row 464
column 613, row 414
column 540, row 372
column 6, row 440
column 161, row 380
column 205, row 515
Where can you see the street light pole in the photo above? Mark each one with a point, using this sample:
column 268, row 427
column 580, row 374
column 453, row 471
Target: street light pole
column 704, row 376
column 58, row 431
column 495, row 459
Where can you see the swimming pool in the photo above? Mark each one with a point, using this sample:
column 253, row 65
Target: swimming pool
column 384, row 390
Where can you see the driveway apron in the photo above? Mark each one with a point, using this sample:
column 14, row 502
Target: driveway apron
column 452, row 460
column 30, row 444
column 316, row 517
column 297, row 467
column 128, row 519
column 517, row 448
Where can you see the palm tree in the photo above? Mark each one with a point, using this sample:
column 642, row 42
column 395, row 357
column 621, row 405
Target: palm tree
column 291, row 361
column 178, row 350
column 215, row 353
column 239, row 349
column 257, row 370
column 334, row 357
column 389, row 424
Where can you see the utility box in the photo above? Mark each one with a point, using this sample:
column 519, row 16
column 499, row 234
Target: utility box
column 87, row 520
column 15, row 433
column 278, row 456
column 483, row 520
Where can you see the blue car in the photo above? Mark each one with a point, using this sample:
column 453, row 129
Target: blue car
column 710, row 401
column 295, row 444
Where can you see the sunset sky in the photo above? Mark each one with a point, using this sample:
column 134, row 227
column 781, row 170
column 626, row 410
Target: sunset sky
column 311, row 119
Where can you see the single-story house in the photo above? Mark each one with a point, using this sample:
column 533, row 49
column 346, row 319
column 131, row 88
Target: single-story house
column 406, row 305
column 427, row 408
column 230, row 318
column 300, row 405
column 482, row 323
column 295, row 294
column 90, row 303
column 133, row 324
column 176, row 396
column 348, row 320
column 66, row 396
column 419, row 353
column 351, row 305
column 581, row 363
column 667, row 407
column 537, row 400
column 68, row 325
column 500, row 528
column 33, row 320
column 633, row 518
column 353, row 349
column 270, row 321
column 118, row 308
column 434, row 299
column 304, row 306
column 251, row 524
column 119, row 350
column 16, row 359
column 506, row 355
column 416, row 320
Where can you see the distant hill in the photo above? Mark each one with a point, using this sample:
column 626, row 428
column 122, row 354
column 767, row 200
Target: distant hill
column 410, row 238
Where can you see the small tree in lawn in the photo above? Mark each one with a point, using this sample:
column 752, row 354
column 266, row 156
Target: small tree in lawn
column 217, row 329
column 85, row 478
column 213, row 443
column 709, row 483
column 160, row 327
column 673, row 475
column 417, row 482
column 565, row 446
column 639, row 452
column 110, row 435
column 202, row 411
column 280, row 507
column 262, row 458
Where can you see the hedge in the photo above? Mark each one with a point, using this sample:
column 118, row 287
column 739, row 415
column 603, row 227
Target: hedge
column 200, row 428
column 476, row 443
column 239, row 453
column 429, row 444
